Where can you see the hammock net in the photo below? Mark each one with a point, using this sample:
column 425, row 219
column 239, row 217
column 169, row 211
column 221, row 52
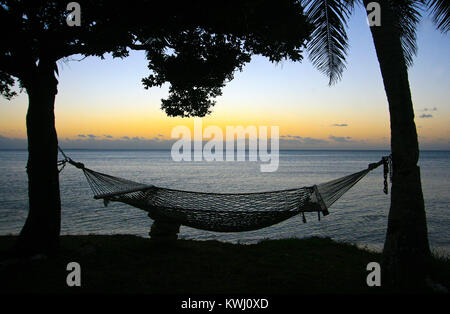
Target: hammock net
column 223, row 212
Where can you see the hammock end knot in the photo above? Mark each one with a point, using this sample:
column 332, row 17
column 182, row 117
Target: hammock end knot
column 79, row 165
column 386, row 161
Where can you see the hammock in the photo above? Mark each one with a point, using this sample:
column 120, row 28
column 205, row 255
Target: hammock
column 223, row 212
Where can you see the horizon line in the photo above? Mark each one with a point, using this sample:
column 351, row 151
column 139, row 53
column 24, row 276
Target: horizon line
column 168, row 149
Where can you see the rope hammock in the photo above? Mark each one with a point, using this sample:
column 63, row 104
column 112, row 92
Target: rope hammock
column 223, row 212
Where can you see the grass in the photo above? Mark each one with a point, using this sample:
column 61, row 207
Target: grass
column 129, row 264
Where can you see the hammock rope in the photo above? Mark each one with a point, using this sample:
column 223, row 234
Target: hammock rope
column 223, row 212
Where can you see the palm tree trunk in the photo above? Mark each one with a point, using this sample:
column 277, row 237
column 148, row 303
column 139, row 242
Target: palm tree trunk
column 40, row 233
column 406, row 251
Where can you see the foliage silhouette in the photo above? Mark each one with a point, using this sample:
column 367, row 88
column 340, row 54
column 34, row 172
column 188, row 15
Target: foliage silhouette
column 194, row 45
column 406, row 253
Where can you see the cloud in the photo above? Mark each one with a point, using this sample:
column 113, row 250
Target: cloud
column 341, row 139
column 124, row 142
column 298, row 142
column 92, row 136
column 12, row 143
column 339, row 124
column 81, row 135
column 429, row 109
column 108, row 136
column 426, row 116
column 313, row 141
column 289, row 141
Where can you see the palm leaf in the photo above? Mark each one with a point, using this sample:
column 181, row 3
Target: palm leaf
column 440, row 12
column 407, row 16
column 329, row 43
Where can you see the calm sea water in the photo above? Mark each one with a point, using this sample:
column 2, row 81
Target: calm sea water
column 360, row 216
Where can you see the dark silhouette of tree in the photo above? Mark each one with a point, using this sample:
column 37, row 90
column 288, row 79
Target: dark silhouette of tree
column 194, row 45
column 406, row 252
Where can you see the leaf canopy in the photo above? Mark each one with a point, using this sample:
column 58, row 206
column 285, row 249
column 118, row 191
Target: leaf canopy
column 328, row 46
column 194, row 45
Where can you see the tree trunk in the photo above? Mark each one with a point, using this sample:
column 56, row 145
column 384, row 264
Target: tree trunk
column 40, row 233
column 406, row 252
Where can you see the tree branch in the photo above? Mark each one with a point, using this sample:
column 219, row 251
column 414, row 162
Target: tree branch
column 9, row 65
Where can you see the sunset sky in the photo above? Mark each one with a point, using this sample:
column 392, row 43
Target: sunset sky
column 102, row 103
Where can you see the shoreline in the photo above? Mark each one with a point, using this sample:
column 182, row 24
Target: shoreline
column 441, row 251
column 131, row 264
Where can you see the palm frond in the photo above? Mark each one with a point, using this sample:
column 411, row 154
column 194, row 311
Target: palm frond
column 407, row 16
column 440, row 12
column 329, row 43
column 350, row 4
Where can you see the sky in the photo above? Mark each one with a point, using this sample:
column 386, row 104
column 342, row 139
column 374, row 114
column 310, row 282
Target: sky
column 103, row 104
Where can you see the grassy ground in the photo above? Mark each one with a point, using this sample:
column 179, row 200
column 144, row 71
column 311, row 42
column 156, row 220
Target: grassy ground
column 128, row 264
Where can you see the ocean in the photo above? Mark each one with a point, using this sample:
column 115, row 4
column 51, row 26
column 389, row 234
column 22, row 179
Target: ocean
column 359, row 217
